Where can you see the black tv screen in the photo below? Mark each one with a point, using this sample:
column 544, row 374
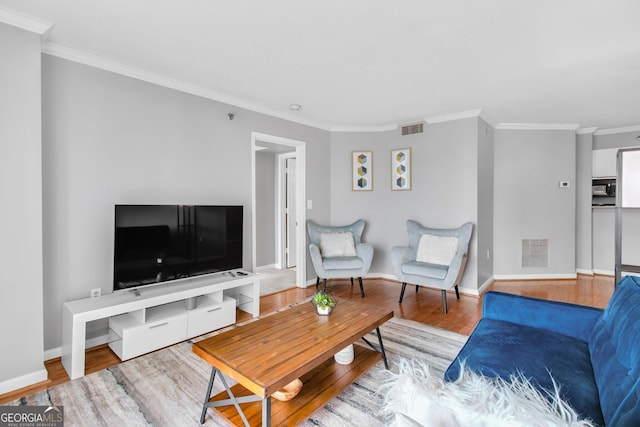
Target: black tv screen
column 158, row 243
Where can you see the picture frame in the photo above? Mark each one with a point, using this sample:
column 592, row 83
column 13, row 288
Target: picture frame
column 362, row 170
column 401, row 169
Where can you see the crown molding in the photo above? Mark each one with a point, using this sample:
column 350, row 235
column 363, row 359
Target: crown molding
column 365, row 128
column 617, row 130
column 583, row 131
column 102, row 63
column 453, row 116
column 25, row 22
column 537, row 126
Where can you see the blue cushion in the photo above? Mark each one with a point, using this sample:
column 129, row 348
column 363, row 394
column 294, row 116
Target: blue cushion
column 615, row 353
column 341, row 263
column 425, row 269
column 500, row 349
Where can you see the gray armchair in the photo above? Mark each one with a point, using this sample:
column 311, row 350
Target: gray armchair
column 435, row 258
column 338, row 252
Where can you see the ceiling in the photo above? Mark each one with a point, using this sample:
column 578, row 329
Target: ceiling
column 371, row 63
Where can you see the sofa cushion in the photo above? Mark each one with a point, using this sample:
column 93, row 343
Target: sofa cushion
column 615, row 354
column 501, row 349
column 337, row 244
column 437, row 249
column 425, row 269
column 342, row 263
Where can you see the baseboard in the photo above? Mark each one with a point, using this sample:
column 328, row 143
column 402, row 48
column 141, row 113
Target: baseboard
column 91, row 342
column 266, row 267
column 23, row 381
column 534, row 276
column 604, row 272
column 586, row 272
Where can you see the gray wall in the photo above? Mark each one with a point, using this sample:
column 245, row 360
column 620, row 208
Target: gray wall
column 444, row 192
column 484, row 229
column 21, row 213
column 584, row 238
column 111, row 139
column 266, row 174
column 529, row 204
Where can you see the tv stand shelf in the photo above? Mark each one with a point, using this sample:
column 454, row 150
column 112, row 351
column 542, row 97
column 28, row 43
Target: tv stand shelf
column 129, row 313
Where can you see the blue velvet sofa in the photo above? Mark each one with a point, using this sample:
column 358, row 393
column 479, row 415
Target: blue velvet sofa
column 593, row 354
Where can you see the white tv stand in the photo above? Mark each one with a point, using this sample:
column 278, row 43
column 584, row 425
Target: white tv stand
column 154, row 307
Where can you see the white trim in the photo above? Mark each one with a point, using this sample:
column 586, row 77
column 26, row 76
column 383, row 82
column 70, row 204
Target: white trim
column 23, row 381
column 454, row 116
column 584, row 271
column 534, row 276
column 487, row 120
column 618, row 130
column 603, row 272
column 583, row 131
column 25, row 22
column 90, row 343
column 482, row 288
column 262, row 268
column 365, row 128
column 95, row 61
column 537, row 126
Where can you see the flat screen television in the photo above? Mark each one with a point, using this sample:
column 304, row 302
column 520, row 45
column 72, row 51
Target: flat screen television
column 159, row 243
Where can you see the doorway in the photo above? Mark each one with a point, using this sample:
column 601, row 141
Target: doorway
column 289, row 194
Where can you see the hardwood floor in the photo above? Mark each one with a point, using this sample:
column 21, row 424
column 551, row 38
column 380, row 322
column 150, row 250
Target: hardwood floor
column 424, row 306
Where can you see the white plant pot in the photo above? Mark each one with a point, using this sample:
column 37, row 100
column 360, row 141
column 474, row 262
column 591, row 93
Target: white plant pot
column 344, row 356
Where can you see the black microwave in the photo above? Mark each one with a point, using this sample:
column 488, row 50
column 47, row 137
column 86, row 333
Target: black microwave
column 603, row 192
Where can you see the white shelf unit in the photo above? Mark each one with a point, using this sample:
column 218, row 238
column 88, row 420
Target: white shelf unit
column 136, row 321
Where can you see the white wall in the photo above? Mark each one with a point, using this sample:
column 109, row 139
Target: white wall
column 485, row 226
column 21, row 335
column 529, row 204
column 444, row 193
column 111, row 139
column 584, row 237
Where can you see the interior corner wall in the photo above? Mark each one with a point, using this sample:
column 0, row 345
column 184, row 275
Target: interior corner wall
column 529, row 203
column 485, row 227
column 444, row 187
column 584, row 262
column 21, row 335
column 110, row 139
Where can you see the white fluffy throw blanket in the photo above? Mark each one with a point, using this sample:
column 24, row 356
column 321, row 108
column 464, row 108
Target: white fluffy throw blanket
column 417, row 398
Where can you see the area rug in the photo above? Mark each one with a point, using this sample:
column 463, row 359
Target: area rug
column 167, row 387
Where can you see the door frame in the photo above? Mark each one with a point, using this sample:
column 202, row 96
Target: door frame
column 301, row 196
column 281, row 226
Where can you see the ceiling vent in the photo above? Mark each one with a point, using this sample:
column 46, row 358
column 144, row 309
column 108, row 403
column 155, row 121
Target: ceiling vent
column 535, row 253
column 411, row 129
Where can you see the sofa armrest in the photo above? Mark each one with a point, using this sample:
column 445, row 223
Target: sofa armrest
column 567, row 319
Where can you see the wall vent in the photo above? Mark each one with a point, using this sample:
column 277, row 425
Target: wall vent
column 411, row 129
column 535, row 253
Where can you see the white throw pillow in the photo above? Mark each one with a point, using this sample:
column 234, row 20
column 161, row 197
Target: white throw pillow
column 337, row 244
column 437, row 249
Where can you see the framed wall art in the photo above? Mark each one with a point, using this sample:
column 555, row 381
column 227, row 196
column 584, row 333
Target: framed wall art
column 401, row 169
column 362, row 170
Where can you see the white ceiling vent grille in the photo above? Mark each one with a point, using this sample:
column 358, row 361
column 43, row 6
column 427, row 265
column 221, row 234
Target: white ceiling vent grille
column 411, row 129
column 535, row 253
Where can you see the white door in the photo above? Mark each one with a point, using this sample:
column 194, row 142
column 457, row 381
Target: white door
column 290, row 213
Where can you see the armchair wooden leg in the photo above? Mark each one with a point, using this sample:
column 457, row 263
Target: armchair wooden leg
column 324, row 285
column 361, row 286
column 417, row 287
column 457, row 292
column 404, row 285
column 444, row 301
column 351, row 280
column 317, row 282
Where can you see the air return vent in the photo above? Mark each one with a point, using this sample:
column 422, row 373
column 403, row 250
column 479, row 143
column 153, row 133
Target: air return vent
column 535, row 253
column 411, row 129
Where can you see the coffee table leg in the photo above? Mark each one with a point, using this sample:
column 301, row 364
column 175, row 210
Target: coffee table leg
column 266, row 411
column 208, row 395
column 384, row 355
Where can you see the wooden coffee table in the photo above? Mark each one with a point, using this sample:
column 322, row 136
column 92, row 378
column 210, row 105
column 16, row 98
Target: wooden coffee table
column 265, row 355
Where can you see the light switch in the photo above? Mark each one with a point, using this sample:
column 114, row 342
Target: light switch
column 309, row 204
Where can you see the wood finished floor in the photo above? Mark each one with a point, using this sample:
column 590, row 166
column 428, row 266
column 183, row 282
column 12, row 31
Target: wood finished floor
column 424, row 306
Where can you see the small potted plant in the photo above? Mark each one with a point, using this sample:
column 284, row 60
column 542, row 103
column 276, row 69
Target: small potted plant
column 324, row 303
